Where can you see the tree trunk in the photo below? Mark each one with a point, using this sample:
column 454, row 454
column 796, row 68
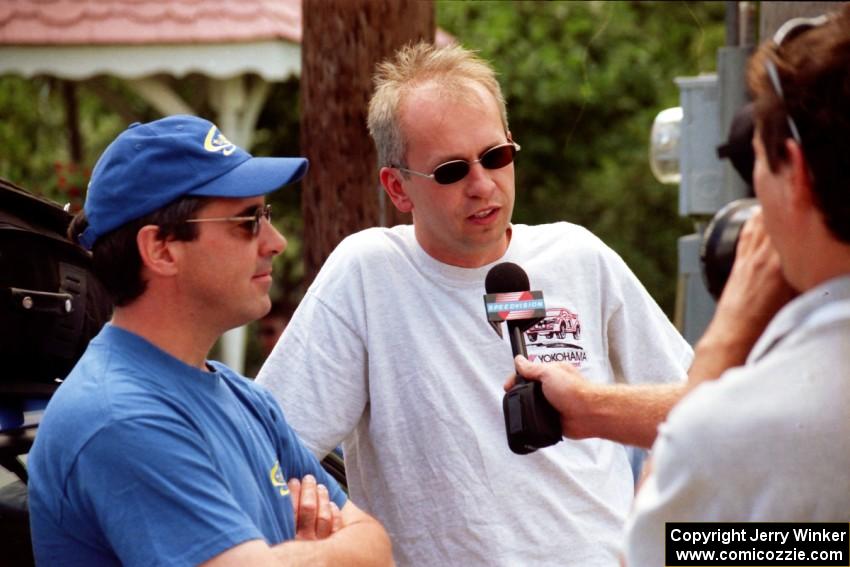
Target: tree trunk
column 72, row 122
column 341, row 44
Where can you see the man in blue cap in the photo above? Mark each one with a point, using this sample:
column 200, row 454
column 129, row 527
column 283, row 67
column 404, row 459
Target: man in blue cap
column 148, row 453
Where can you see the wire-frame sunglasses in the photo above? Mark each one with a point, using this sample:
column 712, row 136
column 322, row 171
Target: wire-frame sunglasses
column 453, row 171
column 251, row 222
column 790, row 29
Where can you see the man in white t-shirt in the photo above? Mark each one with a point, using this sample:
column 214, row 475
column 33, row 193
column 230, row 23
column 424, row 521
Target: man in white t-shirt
column 391, row 354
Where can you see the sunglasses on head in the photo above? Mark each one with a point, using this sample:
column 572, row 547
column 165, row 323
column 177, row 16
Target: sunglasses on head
column 251, row 222
column 453, row 171
column 790, row 29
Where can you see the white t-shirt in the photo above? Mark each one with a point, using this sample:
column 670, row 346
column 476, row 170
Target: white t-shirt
column 391, row 353
column 767, row 442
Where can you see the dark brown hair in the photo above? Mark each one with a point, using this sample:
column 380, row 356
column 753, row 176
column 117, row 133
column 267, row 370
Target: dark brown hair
column 115, row 255
column 814, row 72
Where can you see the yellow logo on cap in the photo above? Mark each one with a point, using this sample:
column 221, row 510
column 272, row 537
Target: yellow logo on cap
column 216, row 142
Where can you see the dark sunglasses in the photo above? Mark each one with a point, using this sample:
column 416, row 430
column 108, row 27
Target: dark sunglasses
column 790, row 29
column 251, row 222
column 453, row 171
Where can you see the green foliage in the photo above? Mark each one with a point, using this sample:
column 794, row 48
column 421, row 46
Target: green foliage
column 31, row 131
column 34, row 134
column 583, row 82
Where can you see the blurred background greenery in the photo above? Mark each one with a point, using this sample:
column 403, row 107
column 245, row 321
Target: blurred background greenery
column 583, row 82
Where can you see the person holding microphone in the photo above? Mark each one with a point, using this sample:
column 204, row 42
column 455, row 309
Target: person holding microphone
column 769, row 439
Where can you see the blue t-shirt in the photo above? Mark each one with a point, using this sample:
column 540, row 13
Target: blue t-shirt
column 143, row 460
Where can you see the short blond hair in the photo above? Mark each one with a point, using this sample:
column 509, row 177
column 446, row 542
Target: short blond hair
column 452, row 68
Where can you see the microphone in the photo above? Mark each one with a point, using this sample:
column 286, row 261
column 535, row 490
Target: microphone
column 530, row 420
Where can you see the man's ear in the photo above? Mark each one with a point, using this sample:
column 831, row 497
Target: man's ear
column 157, row 254
column 802, row 189
column 391, row 180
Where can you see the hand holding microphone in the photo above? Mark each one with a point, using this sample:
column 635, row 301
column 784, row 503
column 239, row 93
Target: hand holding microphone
column 530, row 420
column 563, row 386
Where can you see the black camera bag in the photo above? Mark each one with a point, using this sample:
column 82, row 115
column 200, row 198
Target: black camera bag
column 51, row 304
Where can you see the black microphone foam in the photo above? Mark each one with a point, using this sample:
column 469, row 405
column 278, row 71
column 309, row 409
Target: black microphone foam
column 506, row 277
column 530, row 420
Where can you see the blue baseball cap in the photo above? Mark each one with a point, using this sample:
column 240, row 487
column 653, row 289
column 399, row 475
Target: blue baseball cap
column 151, row 165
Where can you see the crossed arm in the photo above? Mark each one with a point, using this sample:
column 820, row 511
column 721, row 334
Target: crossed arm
column 325, row 535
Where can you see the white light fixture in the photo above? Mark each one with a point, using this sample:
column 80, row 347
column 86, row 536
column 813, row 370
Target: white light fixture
column 664, row 146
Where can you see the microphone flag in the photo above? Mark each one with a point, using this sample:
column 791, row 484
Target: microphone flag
column 513, row 305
